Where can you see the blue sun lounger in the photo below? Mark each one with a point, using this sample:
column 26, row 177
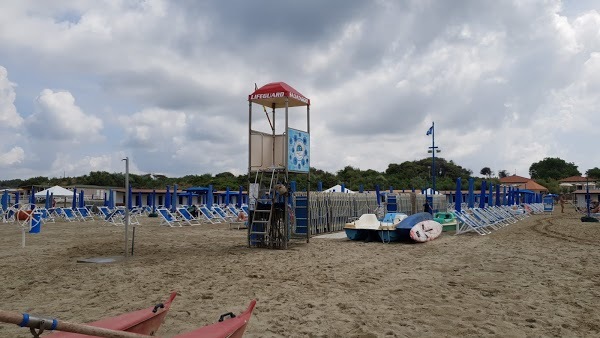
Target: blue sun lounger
column 70, row 215
column 84, row 213
column 208, row 215
column 186, row 217
column 114, row 217
column 167, row 218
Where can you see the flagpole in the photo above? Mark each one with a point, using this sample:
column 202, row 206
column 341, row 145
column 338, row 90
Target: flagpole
column 433, row 149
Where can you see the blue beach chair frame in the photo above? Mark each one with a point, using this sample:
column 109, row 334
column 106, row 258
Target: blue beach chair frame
column 186, row 217
column 113, row 217
column 167, row 218
column 208, row 215
column 70, row 215
column 84, row 213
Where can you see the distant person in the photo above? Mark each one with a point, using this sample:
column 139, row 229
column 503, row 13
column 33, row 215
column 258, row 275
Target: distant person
column 427, row 207
column 193, row 210
column 561, row 200
column 595, row 207
column 241, row 216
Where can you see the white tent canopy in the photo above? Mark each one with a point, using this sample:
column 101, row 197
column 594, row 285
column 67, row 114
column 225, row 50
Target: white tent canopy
column 56, row 191
column 338, row 188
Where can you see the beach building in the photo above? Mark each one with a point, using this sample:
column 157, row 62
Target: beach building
column 579, row 197
column 577, row 183
column 523, row 183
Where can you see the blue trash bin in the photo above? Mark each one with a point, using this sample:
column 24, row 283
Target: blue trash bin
column 36, row 223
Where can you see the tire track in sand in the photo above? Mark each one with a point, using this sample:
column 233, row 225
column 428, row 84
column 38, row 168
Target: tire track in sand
column 544, row 227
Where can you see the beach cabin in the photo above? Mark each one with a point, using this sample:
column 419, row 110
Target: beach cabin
column 574, row 183
column 523, row 183
column 579, row 197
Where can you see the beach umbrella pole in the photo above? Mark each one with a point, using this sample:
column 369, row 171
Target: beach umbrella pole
column 132, row 240
column 38, row 325
column 126, row 159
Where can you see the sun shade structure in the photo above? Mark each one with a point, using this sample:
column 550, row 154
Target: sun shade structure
column 278, row 95
column 57, row 191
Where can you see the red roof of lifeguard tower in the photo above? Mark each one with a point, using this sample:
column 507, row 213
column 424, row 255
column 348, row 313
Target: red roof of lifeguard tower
column 276, row 93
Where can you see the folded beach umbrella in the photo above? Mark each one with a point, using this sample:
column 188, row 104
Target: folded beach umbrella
column 111, row 199
column 129, row 198
column 517, row 197
column 189, row 198
column 5, row 200
column 491, row 195
column 209, row 197
column 471, row 195
column 81, row 203
column 175, row 199
column 361, row 189
column 139, row 199
column 319, row 186
column 168, row 198
column 105, row 201
column 17, row 197
column 458, row 197
column 504, row 195
column 32, row 198
column 47, row 205
column 227, row 196
column 149, row 199
column 240, row 198
column 153, row 201
column 74, row 201
column 482, row 195
column 497, row 195
column 377, row 194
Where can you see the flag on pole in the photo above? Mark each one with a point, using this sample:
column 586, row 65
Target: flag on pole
column 430, row 131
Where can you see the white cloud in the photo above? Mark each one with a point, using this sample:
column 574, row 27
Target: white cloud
column 65, row 163
column 8, row 112
column 155, row 129
column 59, row 118
column 14, row 156
column 508, row 83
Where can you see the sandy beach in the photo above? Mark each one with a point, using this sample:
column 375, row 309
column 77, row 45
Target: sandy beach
column 536, row 278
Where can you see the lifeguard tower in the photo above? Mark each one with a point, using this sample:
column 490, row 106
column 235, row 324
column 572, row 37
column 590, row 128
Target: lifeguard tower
column 273, row 155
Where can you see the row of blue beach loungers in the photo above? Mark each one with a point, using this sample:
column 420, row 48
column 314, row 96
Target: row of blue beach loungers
column 47, row 215
column 116, row 216
column 215, row 214
column 79, row 214
column 484, row 220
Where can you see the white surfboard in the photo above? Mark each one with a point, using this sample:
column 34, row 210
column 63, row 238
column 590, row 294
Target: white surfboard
column 426, row 231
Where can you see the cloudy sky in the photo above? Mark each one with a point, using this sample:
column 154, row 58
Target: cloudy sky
column 85, row 83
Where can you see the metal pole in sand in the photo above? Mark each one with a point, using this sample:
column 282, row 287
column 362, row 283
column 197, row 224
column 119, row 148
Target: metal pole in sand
column 126, row 159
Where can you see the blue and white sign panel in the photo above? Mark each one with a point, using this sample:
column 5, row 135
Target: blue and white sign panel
column 298, row 150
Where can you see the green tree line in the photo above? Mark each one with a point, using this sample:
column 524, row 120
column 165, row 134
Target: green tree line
column 407, row 175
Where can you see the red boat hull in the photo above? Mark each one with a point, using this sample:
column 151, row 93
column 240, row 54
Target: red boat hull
column 228, row 328
column 142, row 321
